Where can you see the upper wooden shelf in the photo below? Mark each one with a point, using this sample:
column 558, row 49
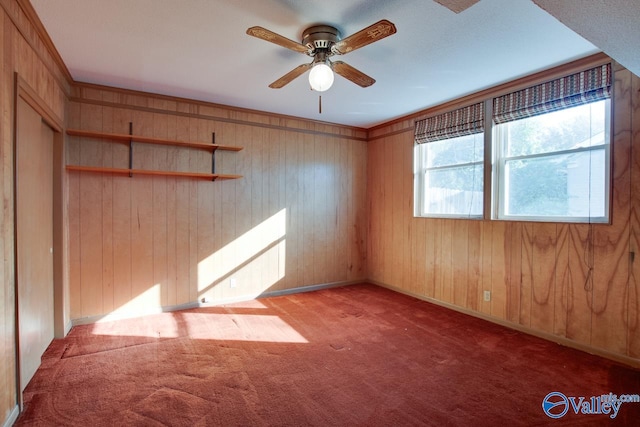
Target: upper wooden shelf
column 148, row 140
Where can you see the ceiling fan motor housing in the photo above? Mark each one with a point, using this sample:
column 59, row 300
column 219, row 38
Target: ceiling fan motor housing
column 320, row 38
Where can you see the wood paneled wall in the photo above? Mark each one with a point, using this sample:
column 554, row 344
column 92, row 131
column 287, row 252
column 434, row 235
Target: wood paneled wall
column 22, row 52
column 318, row 204
column 297, row 218
column 572, row 282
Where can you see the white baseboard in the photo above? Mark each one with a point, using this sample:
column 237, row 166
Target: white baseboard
column 13, row 416
column 68, row 327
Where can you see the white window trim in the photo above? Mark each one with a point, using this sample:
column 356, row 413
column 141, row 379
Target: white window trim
column 420, row 184
column 498, row 166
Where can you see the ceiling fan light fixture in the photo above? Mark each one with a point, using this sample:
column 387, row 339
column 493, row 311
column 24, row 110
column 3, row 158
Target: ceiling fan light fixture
column 321, row 77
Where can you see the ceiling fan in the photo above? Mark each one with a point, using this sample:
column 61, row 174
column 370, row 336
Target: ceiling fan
column 321, row 42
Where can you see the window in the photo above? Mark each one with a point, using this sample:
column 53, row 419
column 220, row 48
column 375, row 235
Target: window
column 555, row 166
column 450, row 177
column 449, row 164
column 551, row 150
column 546, row 153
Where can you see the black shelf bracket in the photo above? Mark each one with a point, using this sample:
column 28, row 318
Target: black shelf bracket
column 213, row 155
column 130, row 149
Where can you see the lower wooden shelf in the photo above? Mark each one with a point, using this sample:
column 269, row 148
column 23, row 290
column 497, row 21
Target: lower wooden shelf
column 207, row 176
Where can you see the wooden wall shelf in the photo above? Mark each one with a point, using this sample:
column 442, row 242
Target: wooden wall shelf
column 124, row 138
column 130, row 172
column 129, row 139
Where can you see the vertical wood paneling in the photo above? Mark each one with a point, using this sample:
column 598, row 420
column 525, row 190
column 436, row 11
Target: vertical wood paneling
column 320, row 210
column 434, row 231
column 441, row 265
column 171, row 203
column 633, row 299
column 562, row 279
column 526, row 285
column 226, row 225
column 408, row 252
column 142, row 286
column 295, row 208
column 487, row 280
column 8, row 397
column 278, row 252
column 576, row 281
column 392, row 193
column 34, row 66
column 107, row 216
column 160, row 209
column 193, row 201
column 376, row 189
column 543, row 283
column 499, row 269
column 341, row 202
column 474, row 274
column 176, row 240
column 73, row 210
column 611, row 242
column 460, row 260
column 91, row 224
column 514, row 291
column 122, row 214
column 206, row 238
column 185, row 278
column 420, row 259
column 579, row 288
column 308, row 225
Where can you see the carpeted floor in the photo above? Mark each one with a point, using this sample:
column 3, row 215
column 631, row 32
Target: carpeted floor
column 357, row 355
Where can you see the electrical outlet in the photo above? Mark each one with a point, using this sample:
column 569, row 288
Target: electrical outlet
column 487, row 295
column 204, row 300
column 232, row 282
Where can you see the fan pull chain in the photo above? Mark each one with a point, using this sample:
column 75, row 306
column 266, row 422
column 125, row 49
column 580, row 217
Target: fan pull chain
column 320, row 104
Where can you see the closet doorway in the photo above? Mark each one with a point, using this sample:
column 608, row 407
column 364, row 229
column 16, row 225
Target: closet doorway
column 34, row 238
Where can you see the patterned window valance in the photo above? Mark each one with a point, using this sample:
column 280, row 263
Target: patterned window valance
column 576, row 89
column 460, row 122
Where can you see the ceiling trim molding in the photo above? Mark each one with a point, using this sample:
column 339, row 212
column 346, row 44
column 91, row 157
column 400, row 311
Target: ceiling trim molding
column 502, row 89
column 220, row 119
column 31, row 97
column 41, row 32
column 91, row 86
column 316, row 128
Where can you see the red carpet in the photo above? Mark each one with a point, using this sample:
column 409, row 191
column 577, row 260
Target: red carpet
column 357, row 355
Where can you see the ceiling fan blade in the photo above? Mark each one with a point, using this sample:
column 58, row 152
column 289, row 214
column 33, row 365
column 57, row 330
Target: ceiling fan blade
column 350, row 73
column 457, row 6
column 372, row 33
column 287, row 78
column 270, row 36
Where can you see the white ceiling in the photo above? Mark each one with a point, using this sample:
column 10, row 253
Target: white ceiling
column 612, row 25
column 198, row 49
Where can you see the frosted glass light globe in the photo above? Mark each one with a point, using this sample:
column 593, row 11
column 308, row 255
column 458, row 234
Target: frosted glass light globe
column 321, row 77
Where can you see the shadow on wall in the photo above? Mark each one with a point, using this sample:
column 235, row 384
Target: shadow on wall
column 253, row 262
column 244, row 268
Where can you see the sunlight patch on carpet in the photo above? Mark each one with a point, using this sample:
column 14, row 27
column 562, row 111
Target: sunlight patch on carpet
column 205, row 326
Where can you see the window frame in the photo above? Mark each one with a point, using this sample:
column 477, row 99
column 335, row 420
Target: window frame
column 420, row 180
column 488, row 98
column 499, row 184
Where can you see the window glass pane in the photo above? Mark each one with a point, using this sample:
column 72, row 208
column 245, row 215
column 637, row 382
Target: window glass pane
column 455, row 151
column 454, row 191
column 575, row 127
column 567, row 185
column 449, row 177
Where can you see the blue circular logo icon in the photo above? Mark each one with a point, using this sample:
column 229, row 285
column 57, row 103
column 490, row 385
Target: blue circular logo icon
column 555, row 404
